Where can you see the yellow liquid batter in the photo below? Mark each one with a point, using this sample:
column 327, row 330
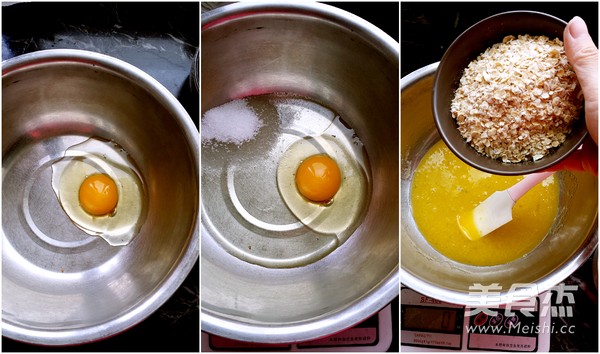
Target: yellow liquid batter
column 443, row 186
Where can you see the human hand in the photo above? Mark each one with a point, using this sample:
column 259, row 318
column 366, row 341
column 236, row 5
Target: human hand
column 583, row 57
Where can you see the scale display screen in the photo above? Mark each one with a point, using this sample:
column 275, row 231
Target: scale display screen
column 428, row 324
column 435, row 319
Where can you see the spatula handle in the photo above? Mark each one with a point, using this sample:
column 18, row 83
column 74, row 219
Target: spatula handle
column 530, row 181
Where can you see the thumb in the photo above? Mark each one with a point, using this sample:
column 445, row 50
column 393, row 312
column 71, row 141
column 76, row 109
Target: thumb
column 583, row 56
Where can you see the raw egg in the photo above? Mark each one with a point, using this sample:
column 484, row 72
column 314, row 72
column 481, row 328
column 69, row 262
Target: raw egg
column 100, row 190
column 318, row 178
column 324, row 184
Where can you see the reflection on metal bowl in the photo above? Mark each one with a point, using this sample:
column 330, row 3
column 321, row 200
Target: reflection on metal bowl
column 570, row 242
column 60, row 285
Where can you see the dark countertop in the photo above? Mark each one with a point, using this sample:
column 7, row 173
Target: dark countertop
column 161, row 39
column 427, row 30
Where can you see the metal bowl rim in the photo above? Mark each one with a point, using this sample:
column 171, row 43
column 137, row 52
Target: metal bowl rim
column 310, row 329
column 331, row 13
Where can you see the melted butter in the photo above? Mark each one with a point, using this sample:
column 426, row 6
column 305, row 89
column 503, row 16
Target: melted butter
column 443, row 187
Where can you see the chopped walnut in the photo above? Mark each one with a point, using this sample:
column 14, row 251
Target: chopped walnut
column 518, row 99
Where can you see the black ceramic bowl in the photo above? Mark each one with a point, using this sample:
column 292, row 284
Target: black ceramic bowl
column 474, row 41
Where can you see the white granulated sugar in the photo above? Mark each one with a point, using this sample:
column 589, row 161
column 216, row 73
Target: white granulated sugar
column 233, row 122
column 305, row 114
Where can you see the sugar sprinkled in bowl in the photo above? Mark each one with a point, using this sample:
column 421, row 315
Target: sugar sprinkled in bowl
column 233, row 122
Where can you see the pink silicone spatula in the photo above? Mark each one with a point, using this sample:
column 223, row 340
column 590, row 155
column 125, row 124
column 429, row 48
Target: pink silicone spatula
column 496, row 210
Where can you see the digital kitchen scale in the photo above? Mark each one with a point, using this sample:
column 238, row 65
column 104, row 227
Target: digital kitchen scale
column 372, row 335
column 428, row 324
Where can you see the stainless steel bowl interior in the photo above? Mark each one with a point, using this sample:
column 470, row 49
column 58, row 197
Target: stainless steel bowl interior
column 474, row 41
column 60, row 286
column 569, row 243
column 351, row 67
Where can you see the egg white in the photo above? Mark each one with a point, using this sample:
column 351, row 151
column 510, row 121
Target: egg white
column 343, row 215
column 99, row 156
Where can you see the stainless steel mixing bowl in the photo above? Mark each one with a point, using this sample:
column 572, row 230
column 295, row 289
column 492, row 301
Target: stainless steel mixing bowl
column 570, row 242
column 59, row 285
column 351, row 67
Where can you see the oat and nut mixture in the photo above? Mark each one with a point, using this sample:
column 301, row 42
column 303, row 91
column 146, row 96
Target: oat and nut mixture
column 518, row 99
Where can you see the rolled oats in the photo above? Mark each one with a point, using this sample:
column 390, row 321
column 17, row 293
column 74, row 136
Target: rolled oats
column 518, row 99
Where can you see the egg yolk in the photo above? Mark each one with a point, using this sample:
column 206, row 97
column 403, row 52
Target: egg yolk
column 98, row 194
column 318, row 178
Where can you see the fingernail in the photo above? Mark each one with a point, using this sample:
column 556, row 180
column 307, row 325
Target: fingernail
column 577, row 27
